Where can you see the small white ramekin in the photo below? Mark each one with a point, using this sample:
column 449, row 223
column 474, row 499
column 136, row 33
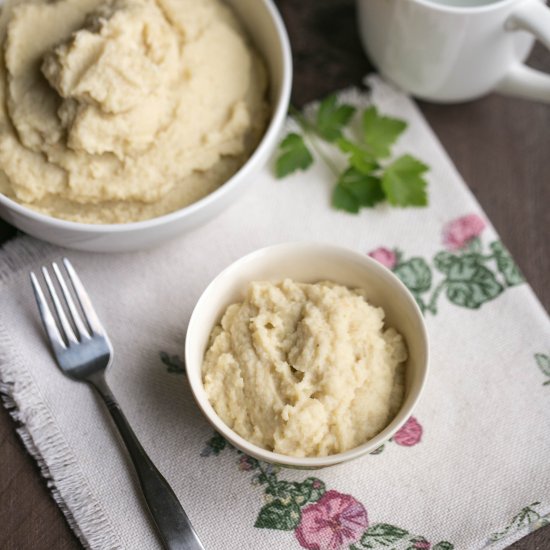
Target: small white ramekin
column 309, row 262
column 265, row 26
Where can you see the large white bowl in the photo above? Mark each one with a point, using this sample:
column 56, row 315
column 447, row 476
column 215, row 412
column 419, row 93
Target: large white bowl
column 309, row 262
column 264, row 25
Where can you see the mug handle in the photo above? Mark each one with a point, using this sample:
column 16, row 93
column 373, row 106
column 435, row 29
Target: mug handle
column 532, row 16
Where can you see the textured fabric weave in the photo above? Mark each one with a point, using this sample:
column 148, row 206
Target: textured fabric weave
column 470, row 470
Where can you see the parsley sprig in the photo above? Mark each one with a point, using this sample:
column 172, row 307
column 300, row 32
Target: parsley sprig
column 371, row 175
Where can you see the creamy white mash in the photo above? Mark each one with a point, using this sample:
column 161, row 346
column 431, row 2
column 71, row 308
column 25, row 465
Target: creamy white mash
column 305, row 369
column 121, row 110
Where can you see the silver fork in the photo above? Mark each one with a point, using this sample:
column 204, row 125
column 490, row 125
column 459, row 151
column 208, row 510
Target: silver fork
column 83, row 352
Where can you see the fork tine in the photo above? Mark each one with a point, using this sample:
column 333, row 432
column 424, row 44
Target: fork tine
column 75, row 315
column 65, row 325
column 48, row 321
column 85, row 303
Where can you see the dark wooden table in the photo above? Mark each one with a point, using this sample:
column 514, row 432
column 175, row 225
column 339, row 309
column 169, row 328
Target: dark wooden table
column 501, row 146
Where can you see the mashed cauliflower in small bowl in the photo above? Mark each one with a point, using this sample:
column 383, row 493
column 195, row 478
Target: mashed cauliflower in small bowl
column 306, row 354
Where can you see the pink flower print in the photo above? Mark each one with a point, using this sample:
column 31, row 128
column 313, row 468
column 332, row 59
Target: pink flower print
column 246, row 463
column 458, row 233
column 385, row 256
column 422, row 545
column 335, row 521
column 410, row 433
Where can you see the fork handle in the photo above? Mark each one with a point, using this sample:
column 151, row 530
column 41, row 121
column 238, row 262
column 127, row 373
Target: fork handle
column 173, row 525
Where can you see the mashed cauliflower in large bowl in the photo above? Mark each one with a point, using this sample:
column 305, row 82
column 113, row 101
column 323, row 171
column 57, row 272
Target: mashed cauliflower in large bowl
column 114, row 111
column 305, row 370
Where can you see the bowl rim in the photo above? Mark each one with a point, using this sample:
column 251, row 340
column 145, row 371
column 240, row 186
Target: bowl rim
column 275, row 123
column 195, row 379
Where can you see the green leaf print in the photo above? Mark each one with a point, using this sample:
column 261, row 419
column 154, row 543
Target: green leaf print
column 382, row 534
column 475, row 245
column 287, row 491
column 310, row 490
column 444, row 261
column 301, row 506
column 215, row 445
column 525, row 516
column 470, row 284
column 415, row 274
column 313, row 488
column 279, row 515
column 543, row 362
column 471, row 272
column 443, row 545
column 174, row 364
column 506, row 265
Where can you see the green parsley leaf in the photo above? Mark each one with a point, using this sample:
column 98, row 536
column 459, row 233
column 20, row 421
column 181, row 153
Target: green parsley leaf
column 403, row 182
column 366, row 189
column 331, row 118
column 343, row 199
column 366, row 180
column 294, row 156
column 381, row 132
column 360, row 159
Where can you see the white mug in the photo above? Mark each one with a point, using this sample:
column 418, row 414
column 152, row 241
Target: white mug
column 457, row 50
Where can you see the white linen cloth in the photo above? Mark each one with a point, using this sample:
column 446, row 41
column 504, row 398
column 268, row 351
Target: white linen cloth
column 477, row 475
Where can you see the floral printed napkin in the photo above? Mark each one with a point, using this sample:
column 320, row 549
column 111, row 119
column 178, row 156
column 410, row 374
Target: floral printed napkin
column 469, row 470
